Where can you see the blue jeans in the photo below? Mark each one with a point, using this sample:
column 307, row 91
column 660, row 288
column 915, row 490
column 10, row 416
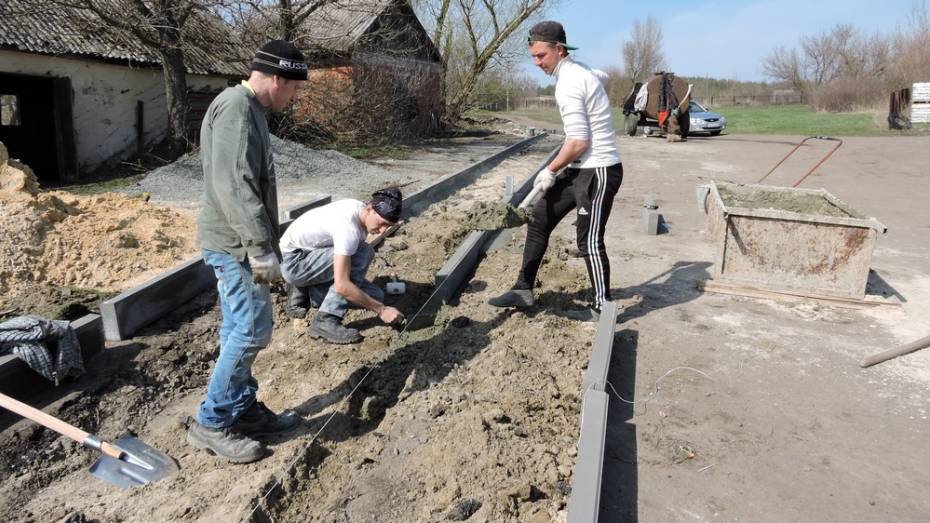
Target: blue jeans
column 313, row 269
column 245, row 329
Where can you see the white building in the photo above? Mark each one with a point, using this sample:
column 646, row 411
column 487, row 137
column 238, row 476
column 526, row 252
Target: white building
column 76, row 94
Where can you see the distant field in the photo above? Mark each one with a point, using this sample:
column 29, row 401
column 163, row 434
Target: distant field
column 782, row 119
column 798, row 119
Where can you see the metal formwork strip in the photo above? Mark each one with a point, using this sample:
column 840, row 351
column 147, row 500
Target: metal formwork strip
column 129, row 311
column 596, row 375
column 420, row 200
column 463, row 262
column 585, row 502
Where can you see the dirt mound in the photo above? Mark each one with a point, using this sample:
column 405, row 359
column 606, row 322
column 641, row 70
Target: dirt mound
column 17, row 181
column 105, row 242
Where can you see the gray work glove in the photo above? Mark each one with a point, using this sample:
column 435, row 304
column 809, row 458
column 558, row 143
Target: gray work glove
column 544, row 180
column 265, row 268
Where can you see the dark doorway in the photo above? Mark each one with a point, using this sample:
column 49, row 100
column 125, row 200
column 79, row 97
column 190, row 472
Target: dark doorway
column 36, row 125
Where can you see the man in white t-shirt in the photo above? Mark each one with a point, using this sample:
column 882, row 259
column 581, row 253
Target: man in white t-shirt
column 325, row 256
column 591, row 177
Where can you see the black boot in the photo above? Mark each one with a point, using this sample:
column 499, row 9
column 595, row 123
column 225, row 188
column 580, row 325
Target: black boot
column 258, row 420
column 227, row 442
column 296, row 304
column 329, row 327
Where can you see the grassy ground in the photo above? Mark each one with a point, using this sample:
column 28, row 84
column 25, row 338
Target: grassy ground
column 783, row 119
column 798, row 119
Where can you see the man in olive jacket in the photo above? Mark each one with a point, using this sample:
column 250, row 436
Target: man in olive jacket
column 238, row 233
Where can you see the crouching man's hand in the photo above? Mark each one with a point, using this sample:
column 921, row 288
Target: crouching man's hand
column 390, row 315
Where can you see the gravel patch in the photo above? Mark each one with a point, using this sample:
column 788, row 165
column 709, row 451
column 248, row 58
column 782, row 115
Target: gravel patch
column 297, row 167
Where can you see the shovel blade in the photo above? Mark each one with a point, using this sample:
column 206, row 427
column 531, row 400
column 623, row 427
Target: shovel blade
column 139, row 465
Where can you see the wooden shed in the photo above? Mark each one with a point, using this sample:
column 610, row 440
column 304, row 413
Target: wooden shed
column 374, row 71
column 76, row 94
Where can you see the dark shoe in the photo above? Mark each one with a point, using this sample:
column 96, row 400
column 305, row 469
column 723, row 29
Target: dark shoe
column 328, row 327
column 296, row 304
column 258, row 420
column 227, row 442
column 519, row 298
column 584, row 315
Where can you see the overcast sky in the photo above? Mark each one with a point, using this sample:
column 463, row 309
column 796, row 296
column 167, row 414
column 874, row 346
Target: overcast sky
column 717, row 38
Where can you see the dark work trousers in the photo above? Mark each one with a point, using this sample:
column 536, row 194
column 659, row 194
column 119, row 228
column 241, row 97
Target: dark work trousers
column 591, row 191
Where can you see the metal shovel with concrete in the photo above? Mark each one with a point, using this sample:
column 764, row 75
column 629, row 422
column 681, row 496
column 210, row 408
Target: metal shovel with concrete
column 127, row 462
column 502, row 215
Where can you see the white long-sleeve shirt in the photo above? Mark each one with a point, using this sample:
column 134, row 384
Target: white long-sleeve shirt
column 586, row 113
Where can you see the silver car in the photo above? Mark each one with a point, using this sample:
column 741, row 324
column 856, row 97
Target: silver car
column 704, row 121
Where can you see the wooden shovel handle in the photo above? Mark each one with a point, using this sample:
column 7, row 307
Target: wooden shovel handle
column 530, row 197
column 894, row 353
column 53, row 423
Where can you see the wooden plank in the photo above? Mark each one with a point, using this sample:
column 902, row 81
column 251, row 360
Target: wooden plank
column 793, row 297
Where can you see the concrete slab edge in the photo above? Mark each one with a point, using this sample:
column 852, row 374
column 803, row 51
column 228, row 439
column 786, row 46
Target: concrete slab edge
column 18, row 380
column 415, row 203
column 585, row 501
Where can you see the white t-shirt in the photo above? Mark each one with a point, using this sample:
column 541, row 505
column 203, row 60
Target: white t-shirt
column 337, row 224
column 586, row 113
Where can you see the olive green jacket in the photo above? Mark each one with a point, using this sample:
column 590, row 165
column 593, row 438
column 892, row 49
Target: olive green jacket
column 240, row 200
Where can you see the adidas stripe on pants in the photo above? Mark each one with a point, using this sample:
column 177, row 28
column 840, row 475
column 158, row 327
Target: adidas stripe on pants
column 591, row 192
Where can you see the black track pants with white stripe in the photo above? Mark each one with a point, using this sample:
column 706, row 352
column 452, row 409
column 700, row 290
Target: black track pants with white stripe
column 591, row 192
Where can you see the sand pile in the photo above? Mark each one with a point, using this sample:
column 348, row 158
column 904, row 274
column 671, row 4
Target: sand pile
column 107, row 242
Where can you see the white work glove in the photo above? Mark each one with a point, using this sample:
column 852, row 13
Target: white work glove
column 544, row 180
column 265, row 268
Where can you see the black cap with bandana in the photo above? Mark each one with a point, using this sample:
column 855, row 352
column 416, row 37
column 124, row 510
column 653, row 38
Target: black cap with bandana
column 388, row 203
column 281, row 58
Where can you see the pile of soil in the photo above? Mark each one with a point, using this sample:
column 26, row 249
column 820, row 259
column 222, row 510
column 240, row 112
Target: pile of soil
column 106, row 242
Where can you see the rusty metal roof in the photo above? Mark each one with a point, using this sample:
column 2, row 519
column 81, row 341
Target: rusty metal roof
column 36, row 26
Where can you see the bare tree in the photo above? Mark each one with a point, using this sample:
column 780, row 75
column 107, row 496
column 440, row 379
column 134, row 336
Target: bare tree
column 785, row 65
column 262, row 20
column 474, row 36
column 159, row 26
column 642, row 54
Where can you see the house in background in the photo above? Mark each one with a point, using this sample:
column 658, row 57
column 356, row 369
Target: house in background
column 76, row 94
column 374, row 71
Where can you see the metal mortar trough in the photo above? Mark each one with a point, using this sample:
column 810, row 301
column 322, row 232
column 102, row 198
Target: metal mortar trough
column 787, row 239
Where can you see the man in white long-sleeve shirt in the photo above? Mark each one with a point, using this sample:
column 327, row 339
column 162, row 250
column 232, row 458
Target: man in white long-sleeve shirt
column 591, row 177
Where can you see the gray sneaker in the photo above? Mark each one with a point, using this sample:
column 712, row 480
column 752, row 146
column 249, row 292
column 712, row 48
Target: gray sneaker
column 328, row 327
column 258, row 420
column 519, row 298
column 226, row 442
column 583, row 315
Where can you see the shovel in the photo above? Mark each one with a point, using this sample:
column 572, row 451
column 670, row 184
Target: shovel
column 128, row 462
